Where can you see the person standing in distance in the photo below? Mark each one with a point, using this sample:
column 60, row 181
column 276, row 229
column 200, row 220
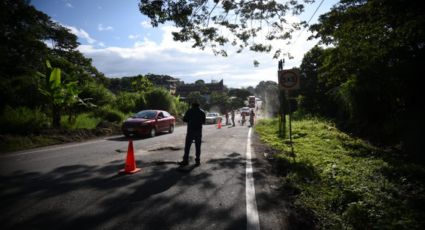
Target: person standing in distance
column 233, row 117
column 195, row 118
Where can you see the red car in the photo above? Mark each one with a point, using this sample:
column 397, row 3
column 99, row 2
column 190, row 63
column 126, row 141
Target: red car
column 149, row 123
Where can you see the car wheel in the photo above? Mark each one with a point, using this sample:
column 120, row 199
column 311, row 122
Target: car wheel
column 171, row 129
column 152, row 133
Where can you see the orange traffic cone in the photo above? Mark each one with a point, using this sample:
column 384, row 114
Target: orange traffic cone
column 219, row 124
column 130, row 163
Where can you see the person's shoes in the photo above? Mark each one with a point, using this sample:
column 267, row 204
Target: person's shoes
column 197, row 163
column 183, row 163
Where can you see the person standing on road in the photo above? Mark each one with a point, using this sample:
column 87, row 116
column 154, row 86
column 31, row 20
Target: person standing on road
column 227, row 118
column 243, row 118
column 251, row 117
column 195, row 118
column 233, row 117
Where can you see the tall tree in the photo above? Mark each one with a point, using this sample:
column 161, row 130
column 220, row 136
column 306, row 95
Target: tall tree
column 315, row 94
column 29, row 38
column 23, row 31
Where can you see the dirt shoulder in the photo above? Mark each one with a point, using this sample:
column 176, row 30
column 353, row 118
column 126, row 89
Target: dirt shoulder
column 11, row 143
column 275, row 199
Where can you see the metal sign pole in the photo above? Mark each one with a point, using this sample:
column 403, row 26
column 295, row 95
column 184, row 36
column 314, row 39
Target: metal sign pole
column 289, row 113
column 290, row 122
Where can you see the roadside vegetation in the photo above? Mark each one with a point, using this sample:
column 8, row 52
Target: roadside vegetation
column 344, row 182
column 51, row 93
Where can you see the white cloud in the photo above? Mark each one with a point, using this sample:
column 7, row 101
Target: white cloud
column 145, row 24
column 69, row 5
column 180, row 60
column 81, row 34
column 133, row 37
column 100, row 27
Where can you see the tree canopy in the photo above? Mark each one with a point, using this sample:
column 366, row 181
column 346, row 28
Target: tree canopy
column 372, row 72
column 241, row 23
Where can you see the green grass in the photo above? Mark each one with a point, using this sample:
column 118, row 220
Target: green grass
column 346, row 182
column 83, row 121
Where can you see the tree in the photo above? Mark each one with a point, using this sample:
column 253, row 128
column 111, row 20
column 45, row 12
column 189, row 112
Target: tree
column 220, row 101
column 218, row 23
column 242, row 94
column 314, row 95
column 262, row 88
column 23, row 31
column 23, row 51
column 376, row 67
column 142, row 84
column 236, row 103
column 200, row 82
column 196, row 96
column 159, row 98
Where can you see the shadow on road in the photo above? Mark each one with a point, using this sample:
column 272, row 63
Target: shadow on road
column 96, row 197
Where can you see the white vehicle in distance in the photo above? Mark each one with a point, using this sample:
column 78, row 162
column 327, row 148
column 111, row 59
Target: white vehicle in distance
column 245, row 110
column 212, row 118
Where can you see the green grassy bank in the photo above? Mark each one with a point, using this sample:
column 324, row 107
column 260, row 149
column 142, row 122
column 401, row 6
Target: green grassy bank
column 345, row 182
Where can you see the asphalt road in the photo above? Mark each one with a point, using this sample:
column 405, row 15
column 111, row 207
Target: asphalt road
column 77, row 186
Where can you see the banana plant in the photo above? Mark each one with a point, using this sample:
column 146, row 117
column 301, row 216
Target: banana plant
column 60, row 95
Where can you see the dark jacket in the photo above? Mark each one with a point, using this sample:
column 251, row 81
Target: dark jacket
column 195, row 118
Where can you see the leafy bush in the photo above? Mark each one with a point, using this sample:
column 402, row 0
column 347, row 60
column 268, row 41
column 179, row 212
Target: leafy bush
column 83, row 121
column 159, row 98
column 179, row 107
column 140, row 103
column 156, row 98
column 125, row 102
column 128, row 102
column 97, row 93
column 22, row 120
column 108, row 113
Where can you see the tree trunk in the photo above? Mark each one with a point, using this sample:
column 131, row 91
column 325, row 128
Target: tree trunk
column 56, row 116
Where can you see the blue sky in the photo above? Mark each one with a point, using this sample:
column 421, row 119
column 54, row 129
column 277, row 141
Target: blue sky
column 121, row 42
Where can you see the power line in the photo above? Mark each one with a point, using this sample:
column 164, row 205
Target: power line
column 299, row 35
column 315, row 11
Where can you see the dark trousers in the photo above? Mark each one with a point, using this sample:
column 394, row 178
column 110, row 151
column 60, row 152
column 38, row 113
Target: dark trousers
column 193, row 135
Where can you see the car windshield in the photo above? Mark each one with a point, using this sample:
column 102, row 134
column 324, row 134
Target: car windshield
column 211, row 115
column 147, row 114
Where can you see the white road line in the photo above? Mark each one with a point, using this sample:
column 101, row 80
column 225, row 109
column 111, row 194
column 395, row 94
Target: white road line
column 253, row 222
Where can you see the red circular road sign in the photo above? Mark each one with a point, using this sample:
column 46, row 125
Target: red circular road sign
column 289, row 79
